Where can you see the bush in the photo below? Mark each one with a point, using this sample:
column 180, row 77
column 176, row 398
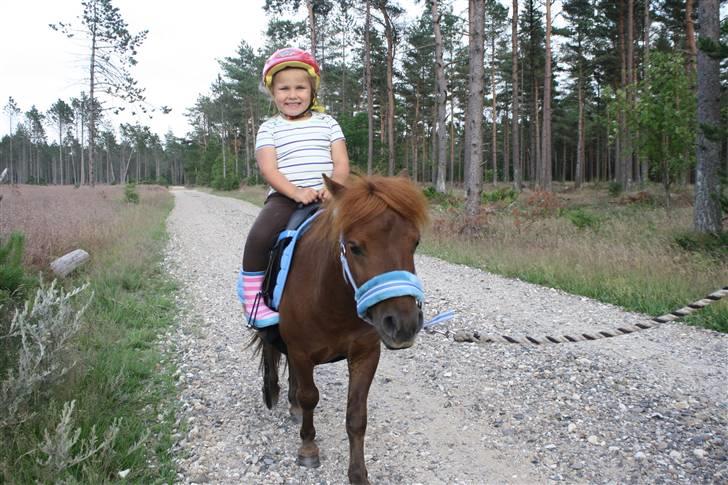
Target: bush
column 710, row 244
column 504, row 194
column 230, row 182
column 36, row 346
column 12, row 273
column 130, row 193
column 614, row 188
column 442, row 199
column 583, row 219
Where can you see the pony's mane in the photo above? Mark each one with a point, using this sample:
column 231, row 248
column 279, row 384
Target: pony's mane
column 367, row 197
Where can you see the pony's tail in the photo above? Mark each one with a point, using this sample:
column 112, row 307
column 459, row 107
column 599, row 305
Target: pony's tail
column 270, row 359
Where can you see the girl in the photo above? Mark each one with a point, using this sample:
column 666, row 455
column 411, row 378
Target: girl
column 292, row 149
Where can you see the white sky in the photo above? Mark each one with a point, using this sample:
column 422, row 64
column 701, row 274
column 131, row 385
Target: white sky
column 177, row 62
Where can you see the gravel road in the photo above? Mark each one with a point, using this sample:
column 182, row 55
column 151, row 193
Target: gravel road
column 649, row 407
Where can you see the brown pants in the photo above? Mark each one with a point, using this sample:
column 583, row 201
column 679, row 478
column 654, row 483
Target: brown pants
column 271, row 220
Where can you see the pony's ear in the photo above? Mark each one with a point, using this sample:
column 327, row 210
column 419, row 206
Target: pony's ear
column 403, row 173
column 334, row 187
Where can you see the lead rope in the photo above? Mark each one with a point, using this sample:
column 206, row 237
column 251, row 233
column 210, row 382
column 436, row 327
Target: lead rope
column 477, row 337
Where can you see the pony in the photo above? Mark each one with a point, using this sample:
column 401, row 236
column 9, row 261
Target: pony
column 344, row 298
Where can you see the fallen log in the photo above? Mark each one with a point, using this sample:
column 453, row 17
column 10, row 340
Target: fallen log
column 69, row 262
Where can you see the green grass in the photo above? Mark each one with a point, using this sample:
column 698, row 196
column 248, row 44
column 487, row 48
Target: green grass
column 120, row 372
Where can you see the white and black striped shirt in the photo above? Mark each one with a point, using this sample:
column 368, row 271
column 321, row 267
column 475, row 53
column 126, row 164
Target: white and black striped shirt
column 303, row 148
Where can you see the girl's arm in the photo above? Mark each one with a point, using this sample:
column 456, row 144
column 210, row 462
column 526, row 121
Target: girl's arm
column 340, row 173
column 340, row 157
column 266, row 158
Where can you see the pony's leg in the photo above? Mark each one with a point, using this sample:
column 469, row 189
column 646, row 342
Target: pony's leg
column 295, row 408
column 270, row 359
column 362, row 367
column 307, row 396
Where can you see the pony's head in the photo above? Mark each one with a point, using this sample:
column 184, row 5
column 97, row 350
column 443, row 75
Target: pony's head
column 377, row 221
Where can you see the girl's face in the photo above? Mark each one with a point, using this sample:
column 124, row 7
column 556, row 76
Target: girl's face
column 292, row 91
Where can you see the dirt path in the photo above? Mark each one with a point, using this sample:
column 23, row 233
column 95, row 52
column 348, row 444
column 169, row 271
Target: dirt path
column 649, row 407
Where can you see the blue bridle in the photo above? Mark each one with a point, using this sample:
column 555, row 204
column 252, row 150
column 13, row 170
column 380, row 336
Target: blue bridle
column 382, row 287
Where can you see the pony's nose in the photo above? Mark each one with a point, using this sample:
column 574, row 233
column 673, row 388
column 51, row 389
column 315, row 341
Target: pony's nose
column 401, row 328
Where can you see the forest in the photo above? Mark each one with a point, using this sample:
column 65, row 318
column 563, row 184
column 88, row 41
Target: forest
column 525, row 92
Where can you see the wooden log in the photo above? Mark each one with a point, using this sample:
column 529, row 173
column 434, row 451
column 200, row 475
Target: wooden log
column 69, row 262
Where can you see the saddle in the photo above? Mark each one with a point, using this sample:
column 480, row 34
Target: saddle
column 279, row 261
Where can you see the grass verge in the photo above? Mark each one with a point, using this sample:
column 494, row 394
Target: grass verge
column 119, row 427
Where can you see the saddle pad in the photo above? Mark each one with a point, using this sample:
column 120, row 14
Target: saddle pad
column 280, row 262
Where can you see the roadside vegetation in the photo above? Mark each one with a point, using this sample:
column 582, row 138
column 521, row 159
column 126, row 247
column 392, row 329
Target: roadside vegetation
column 619, row 248
column 86, row 394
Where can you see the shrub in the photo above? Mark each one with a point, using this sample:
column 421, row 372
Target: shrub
column 37, row 340
column 583, row 219
column 504, row 194
column 445, row 199
column 710, row 244
column 543, row 204
column 230, row 182
column 130, row 193
column 614, row 188
column 12, row 274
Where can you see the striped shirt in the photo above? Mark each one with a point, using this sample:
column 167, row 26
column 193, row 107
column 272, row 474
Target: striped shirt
column 303, row 148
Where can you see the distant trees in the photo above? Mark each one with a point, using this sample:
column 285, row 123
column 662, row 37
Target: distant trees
column 61, row 114
column 410, row 92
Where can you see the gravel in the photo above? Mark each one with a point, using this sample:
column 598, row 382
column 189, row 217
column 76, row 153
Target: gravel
column 648, row 407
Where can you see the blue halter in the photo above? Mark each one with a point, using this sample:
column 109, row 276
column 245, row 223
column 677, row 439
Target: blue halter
column 382, row 287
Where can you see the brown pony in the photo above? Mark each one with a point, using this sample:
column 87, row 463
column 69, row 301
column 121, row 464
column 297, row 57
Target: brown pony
column 372, row 225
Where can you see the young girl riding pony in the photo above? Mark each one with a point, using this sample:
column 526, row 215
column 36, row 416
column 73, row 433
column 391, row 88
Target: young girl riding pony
column 292, row 149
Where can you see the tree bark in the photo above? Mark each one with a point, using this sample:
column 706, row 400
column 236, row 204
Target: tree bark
column 92, row 112
column 494, row 112
column 690, row 35
column 515, row 145
column 312, row 26
column 579, row 172
column 441, row 100
column 707, row 212
column 389, row 33
column 474, row 123
column 546, row 133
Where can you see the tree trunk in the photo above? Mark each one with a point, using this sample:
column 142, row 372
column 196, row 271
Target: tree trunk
column 690, row 35
column 546, row 136
column 578, row 173
column 370, row 96
column 389, row 33
column 441, row 100
column 515, row 145
column 92, row 112
column 493, row 107
column 415, row 153
column 474, row 123
column 707, row 213
column 644, row 161
column 312, row 26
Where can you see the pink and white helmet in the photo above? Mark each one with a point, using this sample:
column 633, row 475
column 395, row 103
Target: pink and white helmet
column 291, row 57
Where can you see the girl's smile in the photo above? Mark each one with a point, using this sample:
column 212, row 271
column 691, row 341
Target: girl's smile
column 292, row 92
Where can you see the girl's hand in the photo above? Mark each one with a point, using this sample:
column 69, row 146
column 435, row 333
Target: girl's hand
column 323, row 194
column 305, row 195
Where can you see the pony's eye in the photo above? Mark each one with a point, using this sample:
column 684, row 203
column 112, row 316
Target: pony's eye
column 355, row 249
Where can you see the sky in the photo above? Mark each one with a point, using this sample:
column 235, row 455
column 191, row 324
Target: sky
column 177, row 62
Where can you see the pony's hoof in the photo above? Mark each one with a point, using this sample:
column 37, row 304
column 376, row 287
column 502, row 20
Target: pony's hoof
column 309, row 461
